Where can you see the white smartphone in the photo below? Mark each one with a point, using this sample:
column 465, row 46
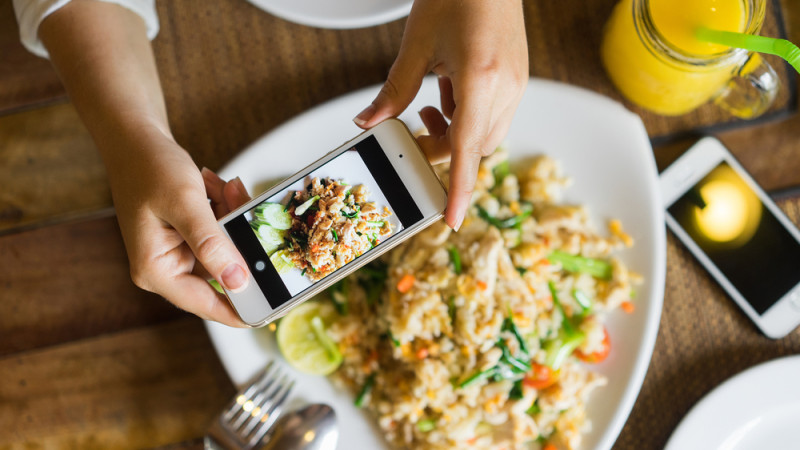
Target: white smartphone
column 331, row 218
column 741, row 237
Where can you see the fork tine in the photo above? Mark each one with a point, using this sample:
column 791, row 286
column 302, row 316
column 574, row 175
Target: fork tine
column 268, row 419
column 247, row 392
column 264, row 404
column 252, row 404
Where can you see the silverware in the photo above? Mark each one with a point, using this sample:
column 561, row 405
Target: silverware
column 311, row 428
column 252, row 412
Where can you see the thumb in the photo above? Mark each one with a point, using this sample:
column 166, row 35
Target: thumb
column 400, row 88
column 210, row 246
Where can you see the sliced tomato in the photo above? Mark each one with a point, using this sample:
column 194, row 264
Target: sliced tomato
column 599, row 355
column 540, row 377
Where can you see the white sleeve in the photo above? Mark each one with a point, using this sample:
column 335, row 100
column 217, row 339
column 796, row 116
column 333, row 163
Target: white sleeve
column 31, row 13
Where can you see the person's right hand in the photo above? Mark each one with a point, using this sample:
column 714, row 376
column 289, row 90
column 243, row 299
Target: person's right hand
column 171, row 233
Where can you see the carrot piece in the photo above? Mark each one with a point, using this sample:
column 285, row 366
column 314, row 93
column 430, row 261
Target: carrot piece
column 482, row 285
column 406, row 283
column 549, row 446
column 540, row 377
column 599, row 355
column 422, row 353
column 628, row 307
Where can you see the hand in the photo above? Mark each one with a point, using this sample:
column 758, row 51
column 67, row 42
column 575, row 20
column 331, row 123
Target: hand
column 479, row 50
column 174, row 242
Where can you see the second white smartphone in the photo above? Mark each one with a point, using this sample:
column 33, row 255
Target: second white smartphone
column 735, row 230
column 331, row 218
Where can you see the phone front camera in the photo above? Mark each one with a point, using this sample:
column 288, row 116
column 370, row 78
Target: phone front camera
column 401, row 155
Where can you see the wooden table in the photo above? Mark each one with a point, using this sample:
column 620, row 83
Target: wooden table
column 89, row 361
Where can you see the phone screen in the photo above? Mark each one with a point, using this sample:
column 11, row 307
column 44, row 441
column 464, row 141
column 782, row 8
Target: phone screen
column 326, row 219
column 746, row 242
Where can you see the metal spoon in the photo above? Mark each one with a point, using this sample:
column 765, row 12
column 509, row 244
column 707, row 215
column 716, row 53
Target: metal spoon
column 311, row 428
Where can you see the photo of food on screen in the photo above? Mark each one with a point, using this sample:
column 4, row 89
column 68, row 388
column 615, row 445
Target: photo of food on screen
column 323, row 222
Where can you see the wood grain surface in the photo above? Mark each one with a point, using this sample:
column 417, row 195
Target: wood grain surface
column 87, row 360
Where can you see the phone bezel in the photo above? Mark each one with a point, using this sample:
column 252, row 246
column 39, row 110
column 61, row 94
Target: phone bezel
column 784, row 315
column 419, row 178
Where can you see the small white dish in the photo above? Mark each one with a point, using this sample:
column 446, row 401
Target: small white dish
column 754, row 410
column 602, row 146
column 338, row 14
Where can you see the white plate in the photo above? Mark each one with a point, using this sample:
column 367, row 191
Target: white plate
column 756, row 409
column 600, row 144
column 337, row 14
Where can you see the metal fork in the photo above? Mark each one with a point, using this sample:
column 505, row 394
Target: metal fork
column 252, row 412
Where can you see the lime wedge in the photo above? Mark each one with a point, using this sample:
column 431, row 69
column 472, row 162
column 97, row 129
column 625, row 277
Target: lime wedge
column 281, row 261
column 303, row 341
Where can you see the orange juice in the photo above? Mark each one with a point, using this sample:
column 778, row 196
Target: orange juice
column 650, row 52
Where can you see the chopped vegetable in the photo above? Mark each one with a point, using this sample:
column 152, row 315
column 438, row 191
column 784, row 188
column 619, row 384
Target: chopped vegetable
column 395, row 342
column 597, row 268
column 509, row 325
column 566, row 341
column 501, row 171
column 599, row 355
column 628, row 306
column 534, row 409
column 582, row 299
column 540, row 377
column 300, row 210
column 352, row 212
column 426, row 425
column 215, row 284
column 375, row 223
column 516, row 391
column 335, row 235
column 270, row 238
column 422, row 353
column 472, row 379
column 455, row 258
column 365, row 390
column 451, row 309
column 511, row 222
column 406, row 283
column 274, row 215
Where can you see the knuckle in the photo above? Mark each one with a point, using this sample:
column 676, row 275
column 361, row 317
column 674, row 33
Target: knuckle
column 390, row 88
column 142, row 276
column 209, row 247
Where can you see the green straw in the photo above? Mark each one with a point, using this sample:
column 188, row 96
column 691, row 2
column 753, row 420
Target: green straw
column 761, row 44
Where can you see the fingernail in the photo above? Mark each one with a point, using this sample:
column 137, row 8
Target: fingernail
column 363, row 117
column 240, row 186
column 459, row 221
column 234, row 278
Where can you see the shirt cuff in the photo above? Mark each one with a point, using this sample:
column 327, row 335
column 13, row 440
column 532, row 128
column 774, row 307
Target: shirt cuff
column 31, row 13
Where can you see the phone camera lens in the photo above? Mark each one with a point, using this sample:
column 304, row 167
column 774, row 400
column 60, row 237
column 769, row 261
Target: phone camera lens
column 401, row 155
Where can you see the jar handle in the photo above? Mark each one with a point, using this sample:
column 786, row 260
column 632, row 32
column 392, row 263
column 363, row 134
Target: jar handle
column 752, row 89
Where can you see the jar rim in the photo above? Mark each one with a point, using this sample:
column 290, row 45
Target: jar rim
column 657, row 44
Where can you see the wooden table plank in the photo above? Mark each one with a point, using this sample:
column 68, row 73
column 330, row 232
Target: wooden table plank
column 134, row 389
column 49, row 167
column 26, row 81
column 67, row 282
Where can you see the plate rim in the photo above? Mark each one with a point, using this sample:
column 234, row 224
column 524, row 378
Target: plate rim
column 348, row 23
column 741, row 382
column 651, row 324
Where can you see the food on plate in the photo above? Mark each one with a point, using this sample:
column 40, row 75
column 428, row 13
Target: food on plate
column 321, row 229
column 485, row 338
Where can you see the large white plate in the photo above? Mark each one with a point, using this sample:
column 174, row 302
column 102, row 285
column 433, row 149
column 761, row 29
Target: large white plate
column 600, row 144
column 337, row 14
column 756, row 409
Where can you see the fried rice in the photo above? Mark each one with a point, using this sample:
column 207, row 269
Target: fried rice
column 465, row 339
column 340, row 226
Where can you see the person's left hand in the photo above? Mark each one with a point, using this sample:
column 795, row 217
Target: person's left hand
column 479, row 50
